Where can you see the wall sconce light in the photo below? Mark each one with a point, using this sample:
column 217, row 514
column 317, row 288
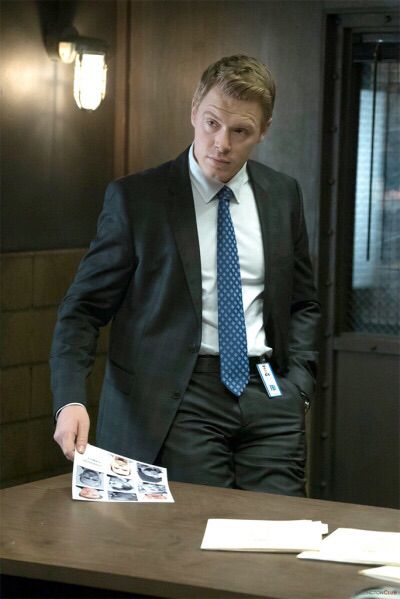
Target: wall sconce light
column 89, row 56
column 90, row 80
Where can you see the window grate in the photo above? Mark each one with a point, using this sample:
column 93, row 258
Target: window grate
column 373, row 304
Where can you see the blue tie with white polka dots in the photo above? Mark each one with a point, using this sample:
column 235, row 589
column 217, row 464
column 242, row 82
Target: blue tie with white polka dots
column 231, row 324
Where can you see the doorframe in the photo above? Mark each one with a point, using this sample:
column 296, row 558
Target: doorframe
column 337, row 168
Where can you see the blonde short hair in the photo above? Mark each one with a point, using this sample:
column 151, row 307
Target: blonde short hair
column 240, row 77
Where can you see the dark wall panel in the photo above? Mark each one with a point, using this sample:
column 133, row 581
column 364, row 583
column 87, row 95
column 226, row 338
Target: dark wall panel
column 56, row 159
column 366, row 450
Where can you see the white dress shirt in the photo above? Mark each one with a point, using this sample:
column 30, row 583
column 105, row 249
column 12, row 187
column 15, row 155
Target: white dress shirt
column 246, row 222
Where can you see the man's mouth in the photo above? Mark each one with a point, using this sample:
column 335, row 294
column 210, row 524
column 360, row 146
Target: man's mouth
column 218, row 160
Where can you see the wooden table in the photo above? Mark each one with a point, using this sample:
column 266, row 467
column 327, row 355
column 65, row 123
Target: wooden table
column 154, row 549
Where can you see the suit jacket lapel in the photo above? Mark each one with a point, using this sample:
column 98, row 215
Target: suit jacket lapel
column 183, row 222
column 266, row 201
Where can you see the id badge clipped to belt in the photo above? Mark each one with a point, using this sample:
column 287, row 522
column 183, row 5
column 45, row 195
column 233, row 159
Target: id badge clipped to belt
column 269, row 380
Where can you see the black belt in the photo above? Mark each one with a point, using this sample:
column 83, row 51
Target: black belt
column 212, row 364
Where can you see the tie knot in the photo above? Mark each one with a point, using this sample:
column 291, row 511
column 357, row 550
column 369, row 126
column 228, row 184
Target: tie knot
column 225, row 194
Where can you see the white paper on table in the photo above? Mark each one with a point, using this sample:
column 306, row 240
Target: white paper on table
column 263, row 535
column 389, row 573
column 351, row 545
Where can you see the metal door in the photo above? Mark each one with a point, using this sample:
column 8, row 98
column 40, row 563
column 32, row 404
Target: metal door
column 356, row 449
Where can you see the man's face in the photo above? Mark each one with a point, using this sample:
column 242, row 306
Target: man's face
column 225, row 132
column 149, row 471
column 89, row 493
column 90, row 477
column 120, row 466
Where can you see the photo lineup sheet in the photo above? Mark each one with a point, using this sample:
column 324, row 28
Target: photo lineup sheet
column 100, row 475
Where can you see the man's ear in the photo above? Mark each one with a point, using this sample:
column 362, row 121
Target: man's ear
column 264, row 129
column 193, row 113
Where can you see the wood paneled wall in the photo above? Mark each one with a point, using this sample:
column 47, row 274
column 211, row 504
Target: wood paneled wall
column 32, row 286
column 56, row 159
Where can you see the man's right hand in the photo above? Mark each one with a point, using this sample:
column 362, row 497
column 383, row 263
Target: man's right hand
column 72, row 430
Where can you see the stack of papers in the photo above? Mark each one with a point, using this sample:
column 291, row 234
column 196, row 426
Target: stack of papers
column 390, row 573
column 350, row 545
column 263, row 535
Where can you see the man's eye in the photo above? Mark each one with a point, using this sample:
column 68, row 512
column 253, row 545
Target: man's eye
column 211, row 123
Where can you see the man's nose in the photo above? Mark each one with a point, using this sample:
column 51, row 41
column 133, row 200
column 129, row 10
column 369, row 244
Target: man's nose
column 222, row 141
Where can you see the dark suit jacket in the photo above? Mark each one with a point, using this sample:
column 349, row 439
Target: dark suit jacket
column 143, row 271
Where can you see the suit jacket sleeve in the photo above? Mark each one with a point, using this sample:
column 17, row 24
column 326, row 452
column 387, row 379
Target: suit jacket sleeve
column 305, row 313
column 91, row 301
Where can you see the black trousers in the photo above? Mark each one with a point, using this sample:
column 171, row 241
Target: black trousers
column 253, row 442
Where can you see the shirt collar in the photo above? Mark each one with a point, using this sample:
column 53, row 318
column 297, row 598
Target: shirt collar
column 208, row 188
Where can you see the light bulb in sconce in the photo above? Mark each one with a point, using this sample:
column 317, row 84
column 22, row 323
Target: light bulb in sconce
column 90, row 79
column 67, row 52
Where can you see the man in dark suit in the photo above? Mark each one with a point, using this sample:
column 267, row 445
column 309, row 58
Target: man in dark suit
column 202, row 264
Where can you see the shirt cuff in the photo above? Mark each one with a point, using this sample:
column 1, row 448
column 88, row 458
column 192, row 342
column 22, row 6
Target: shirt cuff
column 73, row 403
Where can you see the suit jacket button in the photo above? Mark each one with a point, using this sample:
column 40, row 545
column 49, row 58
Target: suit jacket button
column 176, row 395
